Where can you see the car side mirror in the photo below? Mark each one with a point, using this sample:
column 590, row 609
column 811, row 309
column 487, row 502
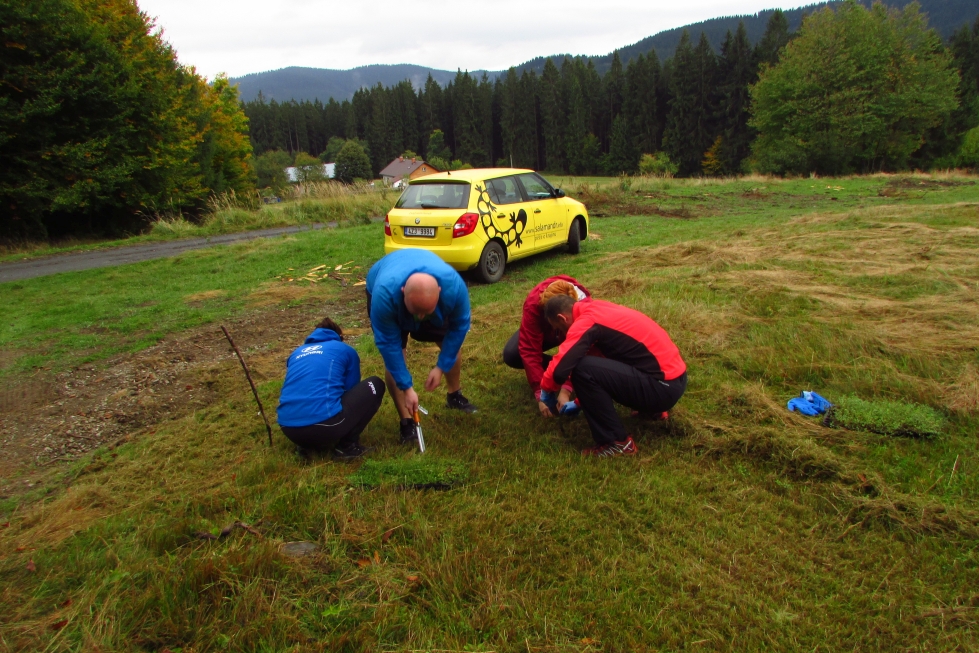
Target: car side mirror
column 558, row 192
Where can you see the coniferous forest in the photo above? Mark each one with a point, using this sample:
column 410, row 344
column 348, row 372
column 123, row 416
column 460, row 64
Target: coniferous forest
column 698, row 108
column 102, row 129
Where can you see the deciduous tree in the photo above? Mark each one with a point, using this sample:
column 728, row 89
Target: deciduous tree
column 855, row 92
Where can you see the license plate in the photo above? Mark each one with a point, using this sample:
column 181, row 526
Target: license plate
column 420, row 231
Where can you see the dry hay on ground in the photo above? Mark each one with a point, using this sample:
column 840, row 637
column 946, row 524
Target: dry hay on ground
column 909, row 286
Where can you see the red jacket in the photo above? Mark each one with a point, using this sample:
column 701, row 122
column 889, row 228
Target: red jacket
column 619, row 333
column 535, row 331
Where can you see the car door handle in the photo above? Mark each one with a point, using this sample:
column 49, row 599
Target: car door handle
column 502, row 216
column 536, row 210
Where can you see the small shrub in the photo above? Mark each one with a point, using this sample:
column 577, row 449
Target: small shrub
column 886, row 417
column 969, row 152
column 657, row 165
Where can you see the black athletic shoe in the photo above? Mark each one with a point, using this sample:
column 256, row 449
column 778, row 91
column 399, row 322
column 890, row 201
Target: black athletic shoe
column 409, row 434
column 458, row 402
column 351, row 451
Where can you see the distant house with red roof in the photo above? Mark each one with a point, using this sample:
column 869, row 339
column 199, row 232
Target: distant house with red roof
column 406, row 169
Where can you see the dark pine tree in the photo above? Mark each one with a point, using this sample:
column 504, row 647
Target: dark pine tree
column 553, row 119
column 737, row 70
column 691, row 128
column 639, row 103
column 775, row 38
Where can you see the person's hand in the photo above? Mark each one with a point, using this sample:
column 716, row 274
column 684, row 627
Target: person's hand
column 549, row 401
column 563, row 397
column 544, row 410
column 434, row 379
column 570, row 409
column 411, row 401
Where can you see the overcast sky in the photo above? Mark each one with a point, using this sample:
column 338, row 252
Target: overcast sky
column 250, row 36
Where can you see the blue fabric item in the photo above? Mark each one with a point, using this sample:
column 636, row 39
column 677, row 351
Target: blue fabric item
column 317, row 375
column 570, row 409
column 809, row 403
column 389, row 317
column 549, row 399
column 819, row 402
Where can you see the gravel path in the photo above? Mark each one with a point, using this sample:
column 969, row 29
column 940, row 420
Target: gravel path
column 41, row 267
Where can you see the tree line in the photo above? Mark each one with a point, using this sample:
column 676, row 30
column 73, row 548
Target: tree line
column 701, row 112
column 101, row 128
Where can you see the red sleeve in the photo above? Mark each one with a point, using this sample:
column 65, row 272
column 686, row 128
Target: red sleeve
column 531, row 341
column 574, row 347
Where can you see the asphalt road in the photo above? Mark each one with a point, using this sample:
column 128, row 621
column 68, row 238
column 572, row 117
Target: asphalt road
column 104, row 258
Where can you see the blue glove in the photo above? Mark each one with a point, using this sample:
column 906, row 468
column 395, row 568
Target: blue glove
column 549, row 399
column 809, row 403
column 570, row 409
column 803, row 406
column 820, row 403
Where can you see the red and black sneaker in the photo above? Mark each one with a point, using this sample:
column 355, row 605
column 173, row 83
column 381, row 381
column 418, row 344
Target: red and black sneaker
column 625, row 448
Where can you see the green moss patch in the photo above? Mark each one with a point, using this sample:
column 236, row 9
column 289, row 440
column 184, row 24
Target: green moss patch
column 411, row 473
column 886, row 417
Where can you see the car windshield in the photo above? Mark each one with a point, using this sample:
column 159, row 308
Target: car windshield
column 434, row 196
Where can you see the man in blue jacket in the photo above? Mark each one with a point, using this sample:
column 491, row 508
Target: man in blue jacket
column 414, row 292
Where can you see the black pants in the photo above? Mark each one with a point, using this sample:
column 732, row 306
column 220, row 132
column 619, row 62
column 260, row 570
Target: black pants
column 601, row 382
column 360, row 403
column 511, row 352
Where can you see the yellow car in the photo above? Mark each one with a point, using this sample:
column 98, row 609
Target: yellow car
column 481, row 219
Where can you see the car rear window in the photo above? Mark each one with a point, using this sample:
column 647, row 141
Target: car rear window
column 434, row 196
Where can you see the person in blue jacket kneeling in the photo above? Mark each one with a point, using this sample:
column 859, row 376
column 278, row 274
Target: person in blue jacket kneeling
column 324, row 406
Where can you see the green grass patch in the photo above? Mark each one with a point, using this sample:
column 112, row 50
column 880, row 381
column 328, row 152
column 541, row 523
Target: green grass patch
column 894, row 418
column 417, row 472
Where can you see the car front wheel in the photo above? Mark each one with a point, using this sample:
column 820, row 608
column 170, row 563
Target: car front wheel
column 574, row 237
column 491, row 263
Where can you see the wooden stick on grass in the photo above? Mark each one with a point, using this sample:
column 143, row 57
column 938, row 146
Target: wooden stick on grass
column 248, row 375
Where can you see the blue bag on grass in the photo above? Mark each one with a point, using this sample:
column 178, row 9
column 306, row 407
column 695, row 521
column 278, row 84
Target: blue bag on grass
column 809, row 403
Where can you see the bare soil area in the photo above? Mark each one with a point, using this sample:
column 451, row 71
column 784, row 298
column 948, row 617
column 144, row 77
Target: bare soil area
column 49, row 420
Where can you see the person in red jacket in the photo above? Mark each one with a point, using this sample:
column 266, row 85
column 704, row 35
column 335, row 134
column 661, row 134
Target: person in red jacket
column 525, row 348
column 639, row 367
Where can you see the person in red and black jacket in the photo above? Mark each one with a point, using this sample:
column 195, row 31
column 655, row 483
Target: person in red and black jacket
column 639, row 367
column 525, row 348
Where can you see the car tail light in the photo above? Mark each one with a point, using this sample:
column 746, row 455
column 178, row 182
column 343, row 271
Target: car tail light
column 387, row 226
column 465, row 225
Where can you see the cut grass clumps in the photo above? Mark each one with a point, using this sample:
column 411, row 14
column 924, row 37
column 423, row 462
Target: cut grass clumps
column 419, row 473
column 886, row 417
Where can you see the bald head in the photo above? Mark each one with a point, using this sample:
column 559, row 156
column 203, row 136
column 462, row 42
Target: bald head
column 421, row 294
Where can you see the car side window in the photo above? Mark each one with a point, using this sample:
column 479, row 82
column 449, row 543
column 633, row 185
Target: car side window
column 504, row 191
column 536, row 187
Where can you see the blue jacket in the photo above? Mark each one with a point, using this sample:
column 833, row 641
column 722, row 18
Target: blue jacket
column 317, row 375
column 389, row 317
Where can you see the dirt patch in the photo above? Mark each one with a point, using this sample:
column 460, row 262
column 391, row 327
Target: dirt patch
column 278, row 292
column 204, row 296
column 913, row 183
column 49, row 420
column 606, row 209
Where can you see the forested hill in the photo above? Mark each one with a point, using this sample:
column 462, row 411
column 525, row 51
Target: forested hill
column 299, row 84
column 946, row 16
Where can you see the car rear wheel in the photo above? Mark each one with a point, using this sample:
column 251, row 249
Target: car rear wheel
column 491, row 263
column 574, row 237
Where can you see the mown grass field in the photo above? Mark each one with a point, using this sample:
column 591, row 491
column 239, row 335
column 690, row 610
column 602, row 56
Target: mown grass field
column 739, row 526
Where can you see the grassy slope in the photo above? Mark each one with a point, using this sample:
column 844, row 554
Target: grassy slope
column 739, row 527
